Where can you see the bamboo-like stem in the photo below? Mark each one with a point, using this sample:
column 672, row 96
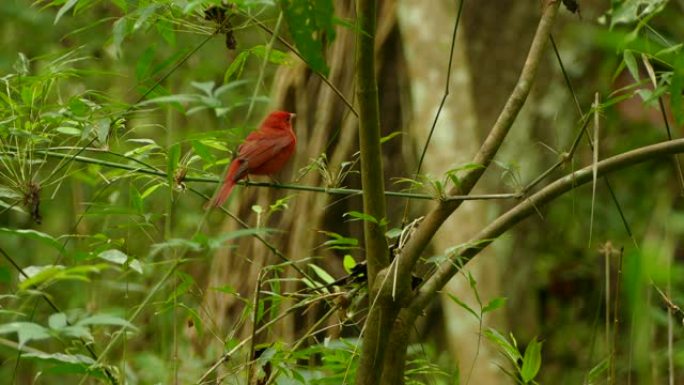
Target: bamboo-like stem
column 372, row 177
column 380, row 315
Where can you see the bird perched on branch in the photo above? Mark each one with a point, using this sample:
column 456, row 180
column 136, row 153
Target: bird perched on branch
column 264, row 152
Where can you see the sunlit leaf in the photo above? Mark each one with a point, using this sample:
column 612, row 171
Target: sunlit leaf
column 531, row 361
column 494, row 304
column 322, row 274
column 114, row 256
column 57, row 321
column 64, row 9
column 348, row 263
column 33, row 235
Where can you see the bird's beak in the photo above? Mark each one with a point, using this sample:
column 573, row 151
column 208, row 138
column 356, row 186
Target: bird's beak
column 292, row 115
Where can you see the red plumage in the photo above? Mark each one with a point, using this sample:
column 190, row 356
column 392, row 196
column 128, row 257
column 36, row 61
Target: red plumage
column 264, row 152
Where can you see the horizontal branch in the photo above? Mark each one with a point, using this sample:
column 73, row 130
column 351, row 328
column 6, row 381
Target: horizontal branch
column 149, row 170
column 528, row 207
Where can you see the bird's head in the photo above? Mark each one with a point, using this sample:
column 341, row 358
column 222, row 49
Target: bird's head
column 279, row 119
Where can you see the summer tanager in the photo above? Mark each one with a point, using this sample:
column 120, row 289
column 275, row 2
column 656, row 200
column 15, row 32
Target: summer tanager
column 264, row 152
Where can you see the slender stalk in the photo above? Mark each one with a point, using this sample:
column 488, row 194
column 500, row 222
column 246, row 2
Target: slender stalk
column 372, row 179
column 150, row 170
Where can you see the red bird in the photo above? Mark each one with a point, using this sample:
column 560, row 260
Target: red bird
column 264, row 152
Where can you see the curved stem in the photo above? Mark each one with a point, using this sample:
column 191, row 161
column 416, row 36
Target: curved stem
column 433, row 221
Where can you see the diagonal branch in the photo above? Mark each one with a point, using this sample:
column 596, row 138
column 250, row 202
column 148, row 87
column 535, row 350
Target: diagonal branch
column 417, row 244
column 528, row 207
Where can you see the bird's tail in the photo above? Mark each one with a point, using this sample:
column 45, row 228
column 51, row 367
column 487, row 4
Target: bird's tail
column 227, row 187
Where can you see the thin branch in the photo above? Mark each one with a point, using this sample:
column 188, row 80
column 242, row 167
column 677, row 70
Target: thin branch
column 150, row 170
column 606, row 181
column 320, row 75
column 663, row 114
column 439, row 109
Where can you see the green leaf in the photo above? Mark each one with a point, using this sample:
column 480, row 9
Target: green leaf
column 597, row 372
column 348, row 263
column 136, row 266
column 309, row 21
column 463, row 305
column 356, row 215
column 150, row 190
column 203, row 151
column 53, row 273
column 57, row 321
column 144, row 64
column 73, row 131
column 494, row 304
column 206, row 87
column 510, row 350
column 114, row 256
column 175, row 243
column 531, row 361
column 119, row 32
column 322, row 274
column 64, row 9
column 339, row 242
column 106, row 319
column 170, row 99
column 631, row 64
column 393, row 233
column 136, row 200
column 34, row 235
column 390, row 136
column 236, row 67
column 56, row 358
column 275, row 56
column 166, row 30
column 26, row 331
column 145, row 14
column 629, row 11
column 182, row 288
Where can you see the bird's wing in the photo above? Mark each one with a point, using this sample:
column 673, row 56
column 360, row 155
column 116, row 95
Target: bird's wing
column 260, row 148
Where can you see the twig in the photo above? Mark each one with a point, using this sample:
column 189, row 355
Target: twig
column 320, row 75
column 150, row 170
column 663, row 113
column 439, row 109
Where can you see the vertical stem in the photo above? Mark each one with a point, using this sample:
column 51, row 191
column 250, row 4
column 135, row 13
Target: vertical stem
column 379, row 317
column 372, row 177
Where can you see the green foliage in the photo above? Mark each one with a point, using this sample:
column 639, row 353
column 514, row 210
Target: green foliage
column 114, row 114
column 311, row 25
column 526, row 366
